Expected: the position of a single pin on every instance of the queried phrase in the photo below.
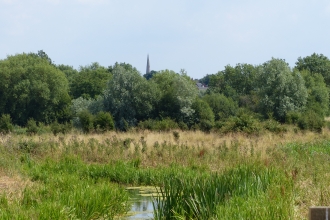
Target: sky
(200, 36)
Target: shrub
(274, 126)
(292, 117)
(311, 121)
(6, 125)
(242, 123)
(183, 126)
(57, 128)
(166, 124)
(104, 122)
(31, 127)
(86, 121)
(203, 115)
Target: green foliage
(32, 127)
(203, 115)
(310, 120)
(274, 126)
(149, 75)
(103, 121)
(280, 90)
(31, 87)
(69, 72)
(243, 122)
(89, 82)
(129, 97)
(86, 121)
(292, 117)
(315, 63)
(203, 197)
(318, 93)
(57, 128)
(234, 81)
(205, 80)
(177, 95)
(222, 106)
(6, 125)
(166, 124)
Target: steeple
(148, 65)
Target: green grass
(232, 194)
(86, 179)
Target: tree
(315, 63)
(178, 92)
(90, 81)
(69, 72)
(203, 115)
(150, 74)
(103, 121)
(129, 97)
(31, 87)
(279, 89)
(43, 55)
(318, 93)
(221, 106)
(236, 82)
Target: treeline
(36, 93)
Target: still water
(142, 198)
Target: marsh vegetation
(198, 175)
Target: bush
(31, 127)
(57, 128)
(292, 117)
(311, 121)
(183, 126)
(166, 124)
(242, 123)
(6, 125)
(104, 122)
(86, 121)
(206, 125)
(274, 126)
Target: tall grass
(201, 176)
(207, 198)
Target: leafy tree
(234, 81)
(31, 87)
(315, 63)
(103, 121)
(280, 90)
(178, 92)
(126, 66)
(6, 125)
(129, 97)
(43, 55)
(318, 93)
(69, 72)
(149, 75)
(221, 106)
(86, 120)
(205, 80)
(90, 82)
(203, 115)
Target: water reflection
(142, 198)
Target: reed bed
(200, 175)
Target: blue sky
(199, 36)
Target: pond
(142, 198)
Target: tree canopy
(129, 96)
(90, 81)
(280, 90)
(31, 87)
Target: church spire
(148, 65)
